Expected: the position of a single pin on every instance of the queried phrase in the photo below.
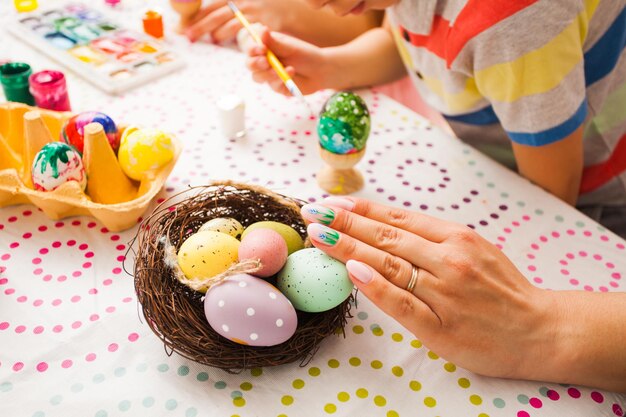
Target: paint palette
(105, 54)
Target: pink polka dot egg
(250, 311)
(267, 246)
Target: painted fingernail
(340, 202)
(322, 234)
(317, 214)
(359, 271)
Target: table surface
(72, 341)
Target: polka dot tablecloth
(72, 340)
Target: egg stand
(339, 175)
(187, 9)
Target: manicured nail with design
(359, 271)
(317, 214)
(322, 234)
(340, 202)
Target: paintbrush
(271, 58)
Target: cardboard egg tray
(68, 199)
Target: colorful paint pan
(164, 57)
(144, 66)
(86, 41)
(89, 15)
(125, 38)
(30, 21)
(121, 74)
(43, 30)
(59, 40)
(107, 27)
(129, 57)
(108, 46)
(88, 55)
(146, 48)
(52, 15)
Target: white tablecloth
(72, 340)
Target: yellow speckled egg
(144, 150)
(292, 238)
(226, 225)
(206, 254)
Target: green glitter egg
(344, 123)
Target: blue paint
(60, 40)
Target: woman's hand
(470, 304)
(307, 64)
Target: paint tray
(69, 199)
(89, 43)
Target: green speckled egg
(313, 281)
(344, 123)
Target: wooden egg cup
(339, 176)
(187, 9)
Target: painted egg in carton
(111, 197)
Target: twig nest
(255, 330)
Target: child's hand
(307, 64)
(218, 20)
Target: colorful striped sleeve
(538, 95)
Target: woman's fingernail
(359, 271)
(322, 234)
(340, 202)
(317, 214)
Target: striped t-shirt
(527, 71)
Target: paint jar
(50, 90)
(14, 80)
(25, 5)
(153, 24)
(231, 115)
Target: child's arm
(556, 167)
(295, 17)
(370, 59)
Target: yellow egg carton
(111, 197)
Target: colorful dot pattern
(69, 312)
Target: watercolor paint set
(94, 47)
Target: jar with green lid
(14, 79)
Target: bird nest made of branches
(175, 312)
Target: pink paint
(50, 90)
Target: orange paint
(153, 24)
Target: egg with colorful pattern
(344, 123)
(73, 134)
(56, 164)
